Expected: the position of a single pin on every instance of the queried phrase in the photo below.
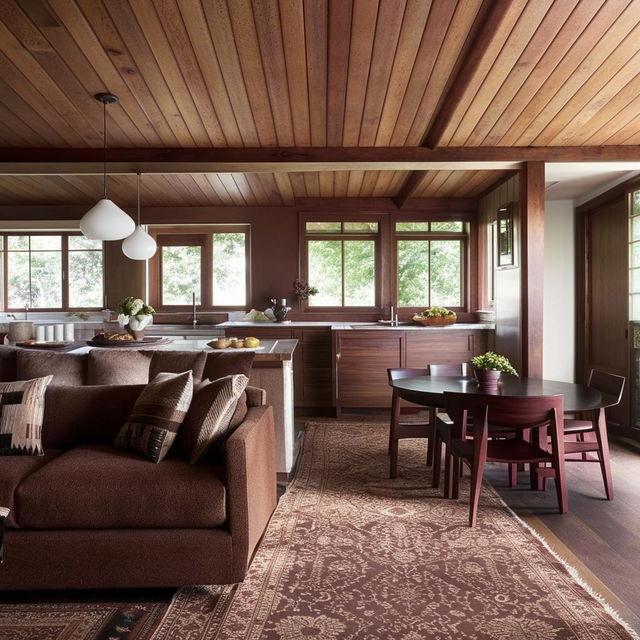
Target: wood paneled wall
(508, 290)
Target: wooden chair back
(608, 384)
(506, 412)
(398, 374)
(461, 369)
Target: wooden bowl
(426, 321)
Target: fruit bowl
(434, 321)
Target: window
(212, 266)
(430, 258)
(52, 271)
(634, 257)
(341, 263)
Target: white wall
(559, 291)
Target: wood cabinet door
(443, 347)
(362, 359)
(312, 364)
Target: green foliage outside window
(181, 275)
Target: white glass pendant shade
(139, 245)
(106, 221)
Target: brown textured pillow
(8, 363)
(67, 368)
(177, 362)
(158, 413)
(113, 366)
(210, 416)
(228, 363)
(21, 413)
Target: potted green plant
(489, 366)
(134, 315)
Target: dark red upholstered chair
(611, 387)
(493, 415)
(400, 430)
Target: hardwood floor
(597, 536)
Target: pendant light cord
(138, 198)
(104, 148)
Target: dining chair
(399, 430)
(495, 414)
(610, 386)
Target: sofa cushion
(118, 366)
(67, 368)
(8, 363)
(13, 471)
(80, 415)
(95, 486)
(177, 362)
(21, 414)
(219, 365)
(158, 413)
(209, 418)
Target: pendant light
(139, 245)
(105, 220)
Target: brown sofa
(86, 515)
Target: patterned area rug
(350, 554)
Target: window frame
(462, 236)
(195, 235)
(377, 237)
(64, 266)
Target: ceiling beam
(292, 159)
(410, 187)
(486, 28)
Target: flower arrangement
(303, 290)
(134, 313)
(491, 361)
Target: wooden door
(605, 310)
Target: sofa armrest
(256, 397)
(251, 483)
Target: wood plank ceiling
(310, 73)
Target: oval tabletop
(429, 390)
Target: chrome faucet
(393, 318)
(195, 313)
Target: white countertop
(348, 326)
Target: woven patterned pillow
(21, 412)
(157, 415)
(210, 415)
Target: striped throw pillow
(158, 413)
(21, 413)
(209, 418)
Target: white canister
(48, 333)
(40, 333)
(68, 332)
(58, 332)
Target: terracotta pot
(487, 379)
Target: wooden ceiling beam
(410, 187)
(27, 161)
(485, 30)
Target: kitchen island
(341, 365)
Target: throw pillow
(158, 413)
(21, 412)
(208, 422)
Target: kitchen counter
(347, 326)
(269, 351)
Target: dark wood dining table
(429, 390)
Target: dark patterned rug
(352, 555)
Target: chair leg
(456, 464)
(395, 418)
(557, 453)
(477, 469)
(431, 437)
(449, 471)
(437, 459)
(580, 438)
(393, 459)
(513, 475)
(603, 453)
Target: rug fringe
(575, 574)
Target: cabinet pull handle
(337, 356)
